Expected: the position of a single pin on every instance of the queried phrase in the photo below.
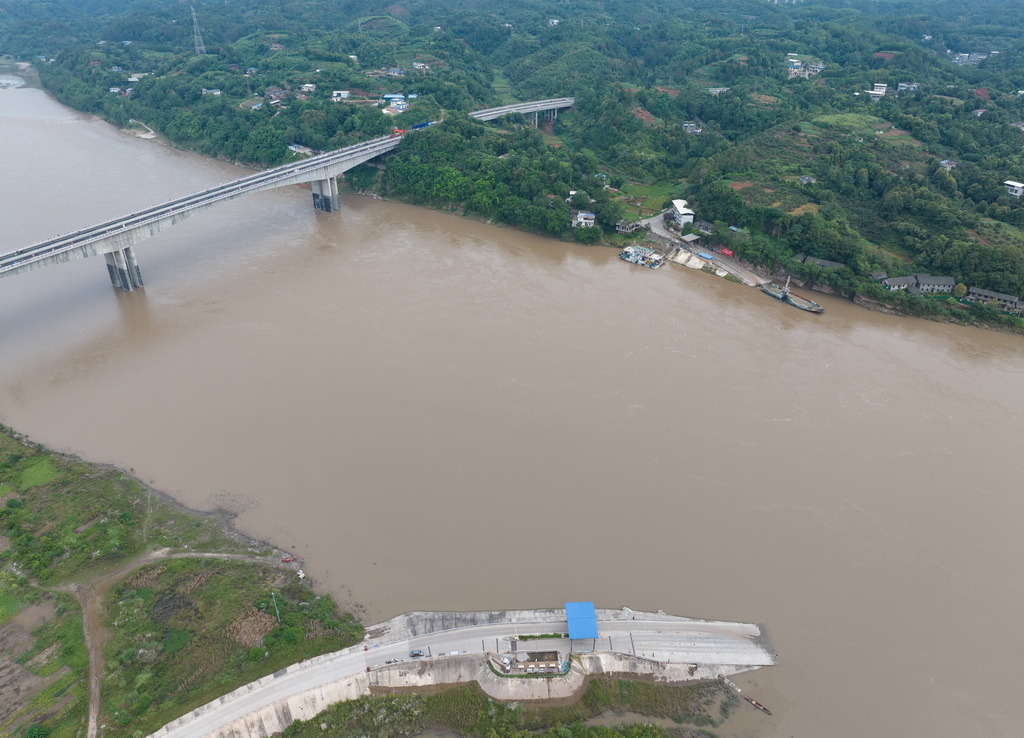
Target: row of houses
(880, 89)
(930, 284)
(796, 67)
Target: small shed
(582, 620)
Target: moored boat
(783, 293)
(642, 255)
(758, 705)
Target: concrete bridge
(534, 111)
(116, 238)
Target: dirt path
(90, 595)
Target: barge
(643, 256)
(783, 293)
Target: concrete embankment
(458, 648)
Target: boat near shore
(642, 255)
(758, 705)
(783, 293)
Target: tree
(960, 290)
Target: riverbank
(102, 537)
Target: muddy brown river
(436, 413)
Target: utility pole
(200, 47)
(275, 608)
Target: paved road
(739, 271)
(676, 641)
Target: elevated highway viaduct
(116, 238)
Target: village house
(1004, 301)
(900, 283)
(978, 112)
(878, 91)
(276, 47)
(690, 240)
(394, 72)
(824, 263)
(717, 90)
(420, 65)
(552, 22)
(918, 284)
(274, 94)
(582, 219)
(339, 95)
(681, 213)
(798, 68)
(1014, 188)
(930, 284)
(908, 87)
(691, 127)
(213, 91)
(308, 87)
(947, 164)
(628, 226)
(703, 226)
(807, 179)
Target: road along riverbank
(428, 649)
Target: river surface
(436, 413)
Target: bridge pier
(124, 269)
(325, 194)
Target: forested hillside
(768, 117)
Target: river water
(436, 413)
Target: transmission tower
(200, 47)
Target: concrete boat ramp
(487, 647)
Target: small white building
(339, 95)
(308, 87)
(681, 212)
(1014, 188)
(583, 219)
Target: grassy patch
(468, 711)
(503, 88)
(188, 630)
(854, 122)
(74, 518)
(651, 197)
(807, 207)
(50, 686)
(37, 472)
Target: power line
(200, 46)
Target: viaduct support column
(325, 194)
(124, 269)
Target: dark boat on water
(758, 705)
(783, 293)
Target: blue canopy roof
(582, 619)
